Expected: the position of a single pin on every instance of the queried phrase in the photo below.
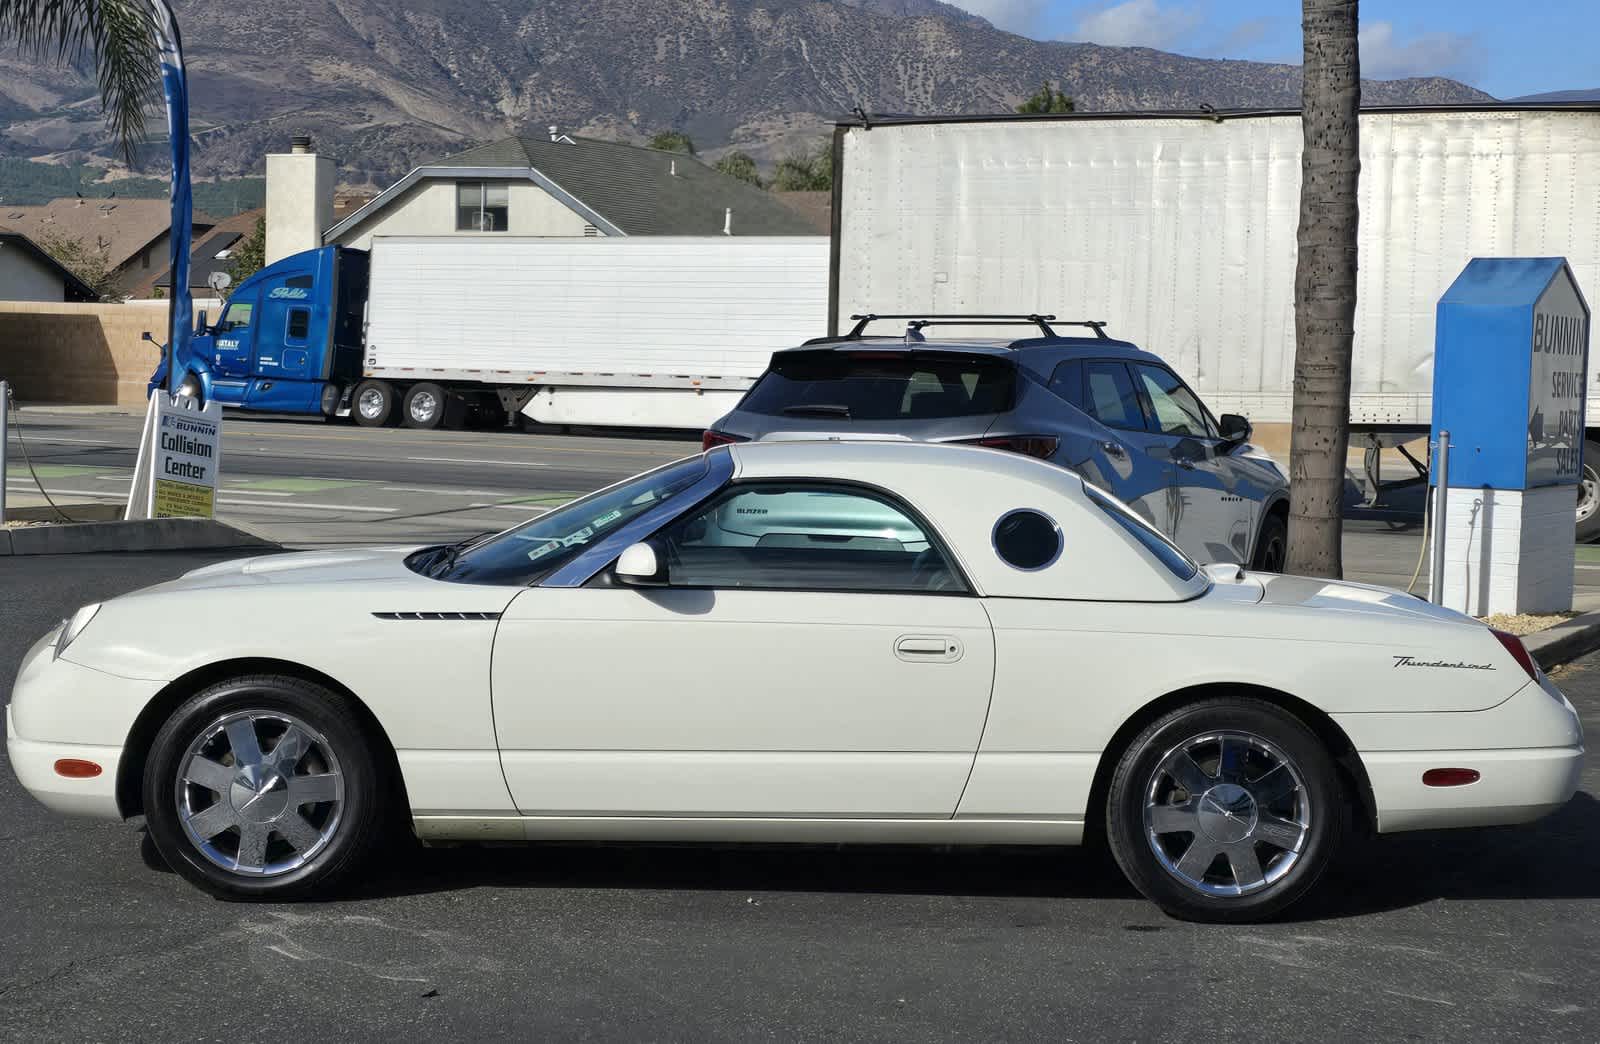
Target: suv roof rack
(915, 323)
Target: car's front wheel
(1272, 546)
(264, 787)
(1226, 810)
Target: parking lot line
(299, 505)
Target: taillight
(1518, 651)
(713, 438)
(1041, 446)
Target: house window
(482, 206)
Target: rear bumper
(34, 763)
(1528, 750)
(1516, 786)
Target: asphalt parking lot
(1474, 936)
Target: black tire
(1272, 545)
(332, 746)
(1588, 528)
(427, 406)
(1315, 813)
(372, 405)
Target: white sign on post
(180, 459)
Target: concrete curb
(157, 534)
(1565, 642)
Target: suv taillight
(1518, 651)
(1041, 446)
(714, 438)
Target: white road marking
(465, 460)
(453, 492)
(35, 436)
(524, 509)
(297, 505)
(254, 493)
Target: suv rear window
(879, 386)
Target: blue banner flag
(175, 85)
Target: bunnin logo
(1458, 665)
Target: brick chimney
(299, 199)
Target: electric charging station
(1511, 356)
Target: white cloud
(1385, 56)
(1016, 16)
(1139, 23)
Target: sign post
(1510, 358)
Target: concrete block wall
(82, 354)
(1509, 551)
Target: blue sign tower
(1509, 384)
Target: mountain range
(384, 86)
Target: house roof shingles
(120, 227)
(224, 235)
(634, 187)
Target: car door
(233, 343)
(1135, 465)
(1213, 517)
(812, 653)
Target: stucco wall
(87, 354)
(428, 208)
(24, 277)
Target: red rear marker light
(1518, 651)
(1041, 446)
(713, 438)
(77, 768)
(1449, 777)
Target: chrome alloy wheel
(259, 793)
(1588, 491)
(1227, 813)
(371, 404)
(422, 406)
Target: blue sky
(1505, 49)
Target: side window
(237, 317)
(805, 537)
(1108, 393)
(299, 324)
(1067, 382)
(1177, 410)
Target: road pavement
(1478, 935)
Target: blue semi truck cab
(289, 339)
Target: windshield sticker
(607, 518)
(579, 537)
(544, 549)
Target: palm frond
(122, 36)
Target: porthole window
(1027, 539)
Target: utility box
(1511, 351)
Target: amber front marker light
(1449, 777)
(77, 768)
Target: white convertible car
(791, 642)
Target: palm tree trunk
(1324, 286)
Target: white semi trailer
(635, 331)
(1179, 230)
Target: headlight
(73, 626)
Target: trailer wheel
(425, 406)
(372, 404)
(1589, 494)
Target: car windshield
(534, 549)
(1164, 550)
(879, 385)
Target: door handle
(1185, 463)
(927, 648)
(1114, 450)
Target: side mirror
(146, 337)
(1234, 428)
(641, 566)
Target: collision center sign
(1556, 385)
(180, 459)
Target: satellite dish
(219, 281)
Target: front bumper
(34, 763)
(60, 709)
(1528, 750)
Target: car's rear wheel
(1272, 546)
(1227, 810)
(264, 787)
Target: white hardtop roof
(963, 491)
